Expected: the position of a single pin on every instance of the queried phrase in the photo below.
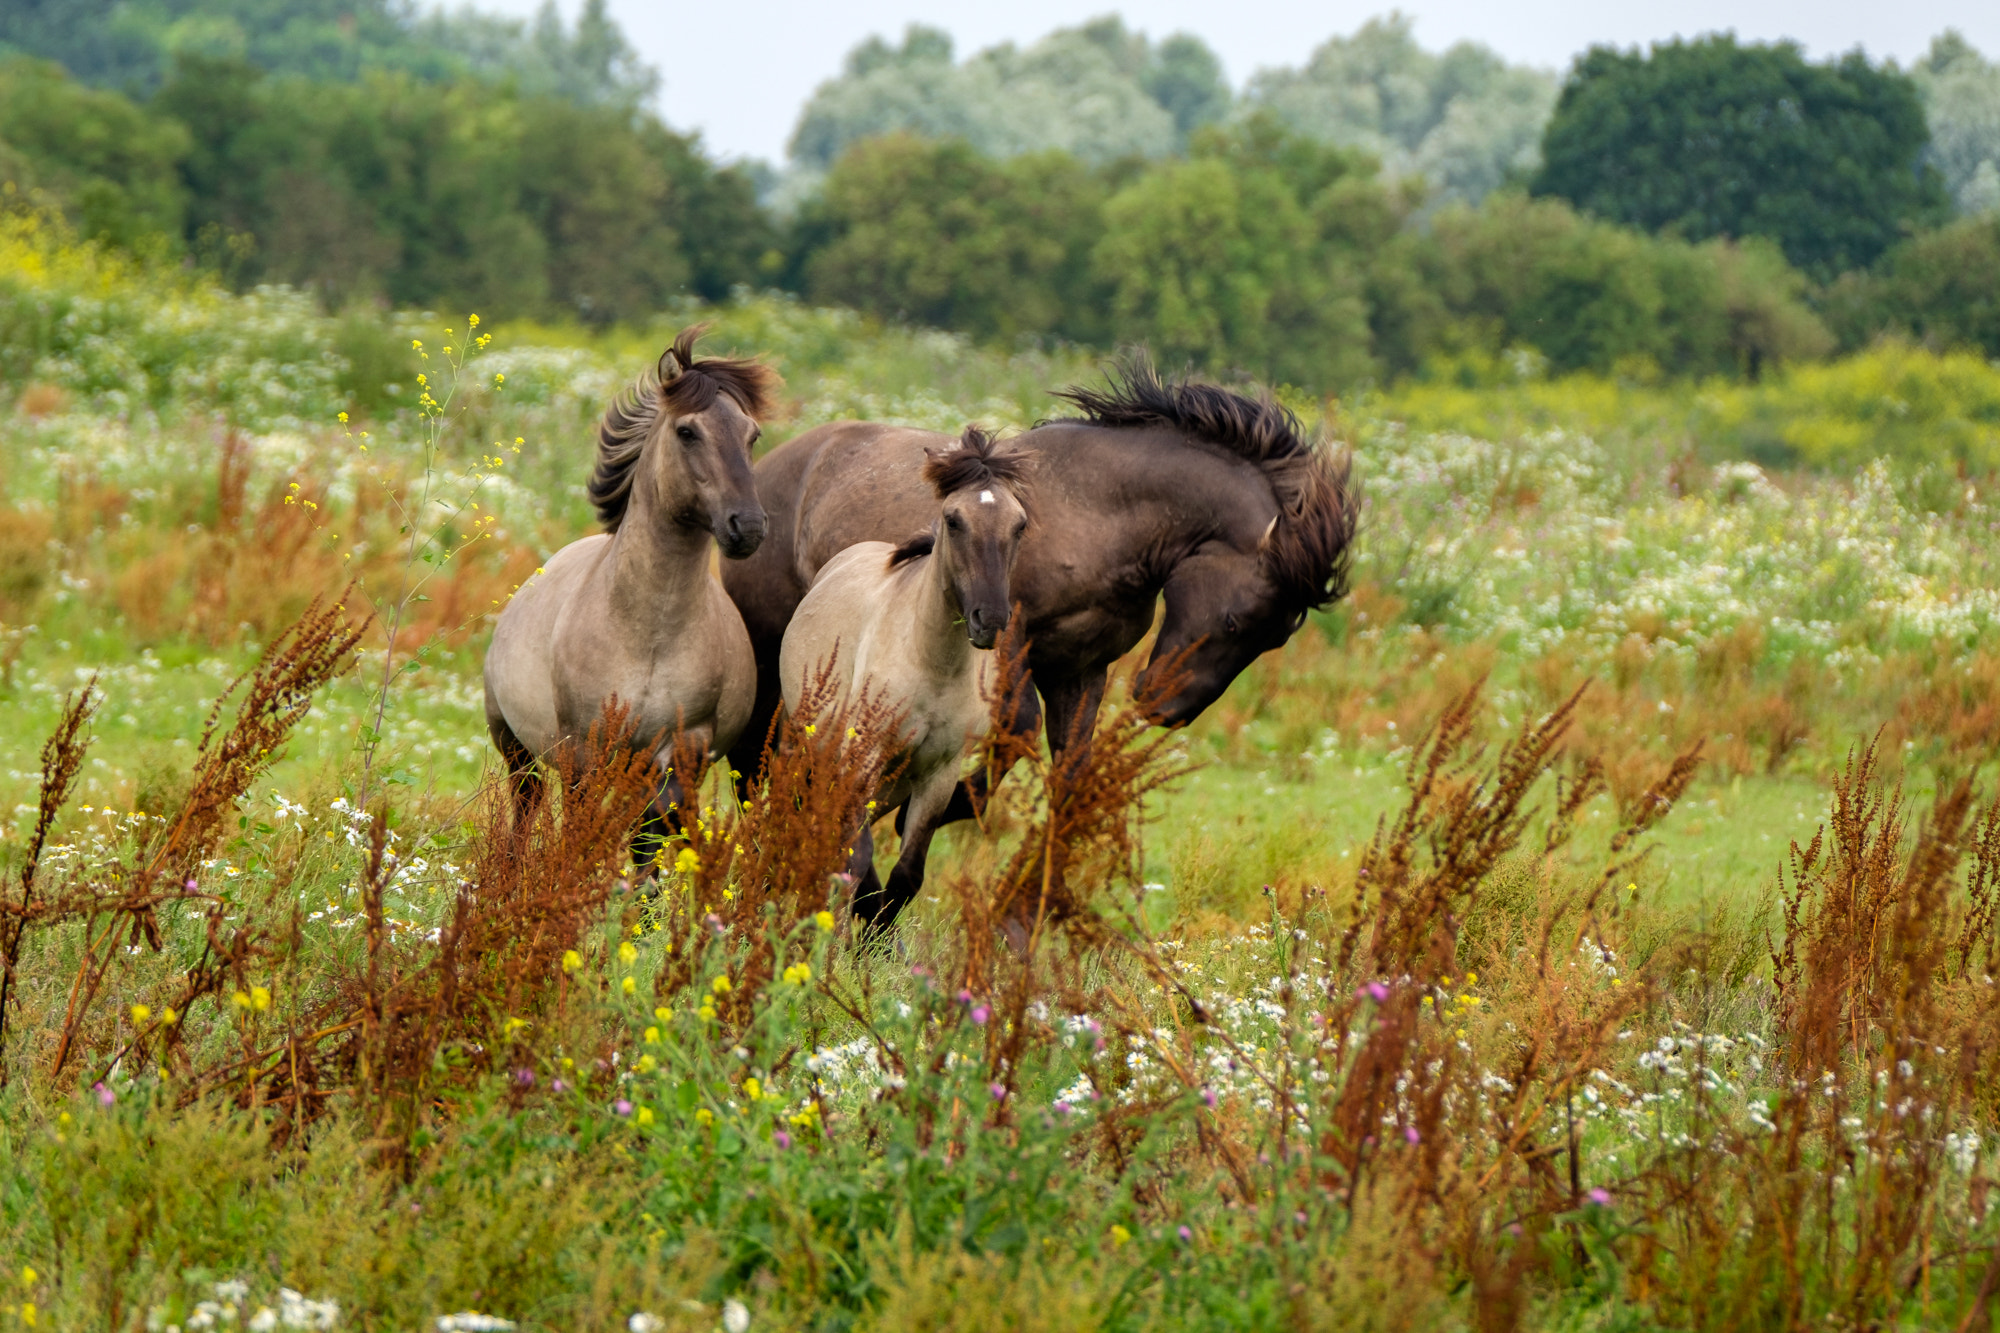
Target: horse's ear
(679, 356)
(1270, 531)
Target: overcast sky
(739, 71)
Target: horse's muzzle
(984, 627)
(741, 533)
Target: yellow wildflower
(1119, 1235)
(629, 986)
(753, 1089)
(686, 863)
(572, 960)
(140, 1013)
(627, 954)
(644, 1116)
(824, 920)
(720, 985)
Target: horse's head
(686, 438)
(979, 530)
(1228, 604)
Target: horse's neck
(937, 639)
(1169, 497)
(659, 568)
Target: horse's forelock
(688, 384)
(979, 459)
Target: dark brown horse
(1210, 497)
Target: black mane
(1307, 551)
(1136, 394)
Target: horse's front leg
(1069, 709)
(921, 818)
(969, 797)
(681, 766)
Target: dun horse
(913, 626)
(1162, 486)
(635, 611)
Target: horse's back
(864, 483)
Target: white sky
(739, 70)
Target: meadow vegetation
(1587, 923)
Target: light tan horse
(913, 626)
(636, 610)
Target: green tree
(1251, 255)
(1962, 103)
(1464, 121)
(1709, 138)
(1533, 274)
(421, 191)
(1099, 92)
(110, 166)
(1940, 288)
(937, 233)
(132, 45)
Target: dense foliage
(131, 45)
(1283, 257)
(391, 187)
(1098, 92)
(1352, 221)
(1961, 91)
(1466, 122)
(1709, 138)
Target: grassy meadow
(1409, 988)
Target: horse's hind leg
(523, 774)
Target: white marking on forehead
(986, 497)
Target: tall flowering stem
(435, 526)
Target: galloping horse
(635, 611)
(1161, 486)
(913, 627)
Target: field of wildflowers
(1588, 923)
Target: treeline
(391, 187)
(1251, 243)
(132, 45)
(1280, 256)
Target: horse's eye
(687, 434)
(1229, 623)
(953, 522)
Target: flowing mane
(1307, 551)
(679, 383)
